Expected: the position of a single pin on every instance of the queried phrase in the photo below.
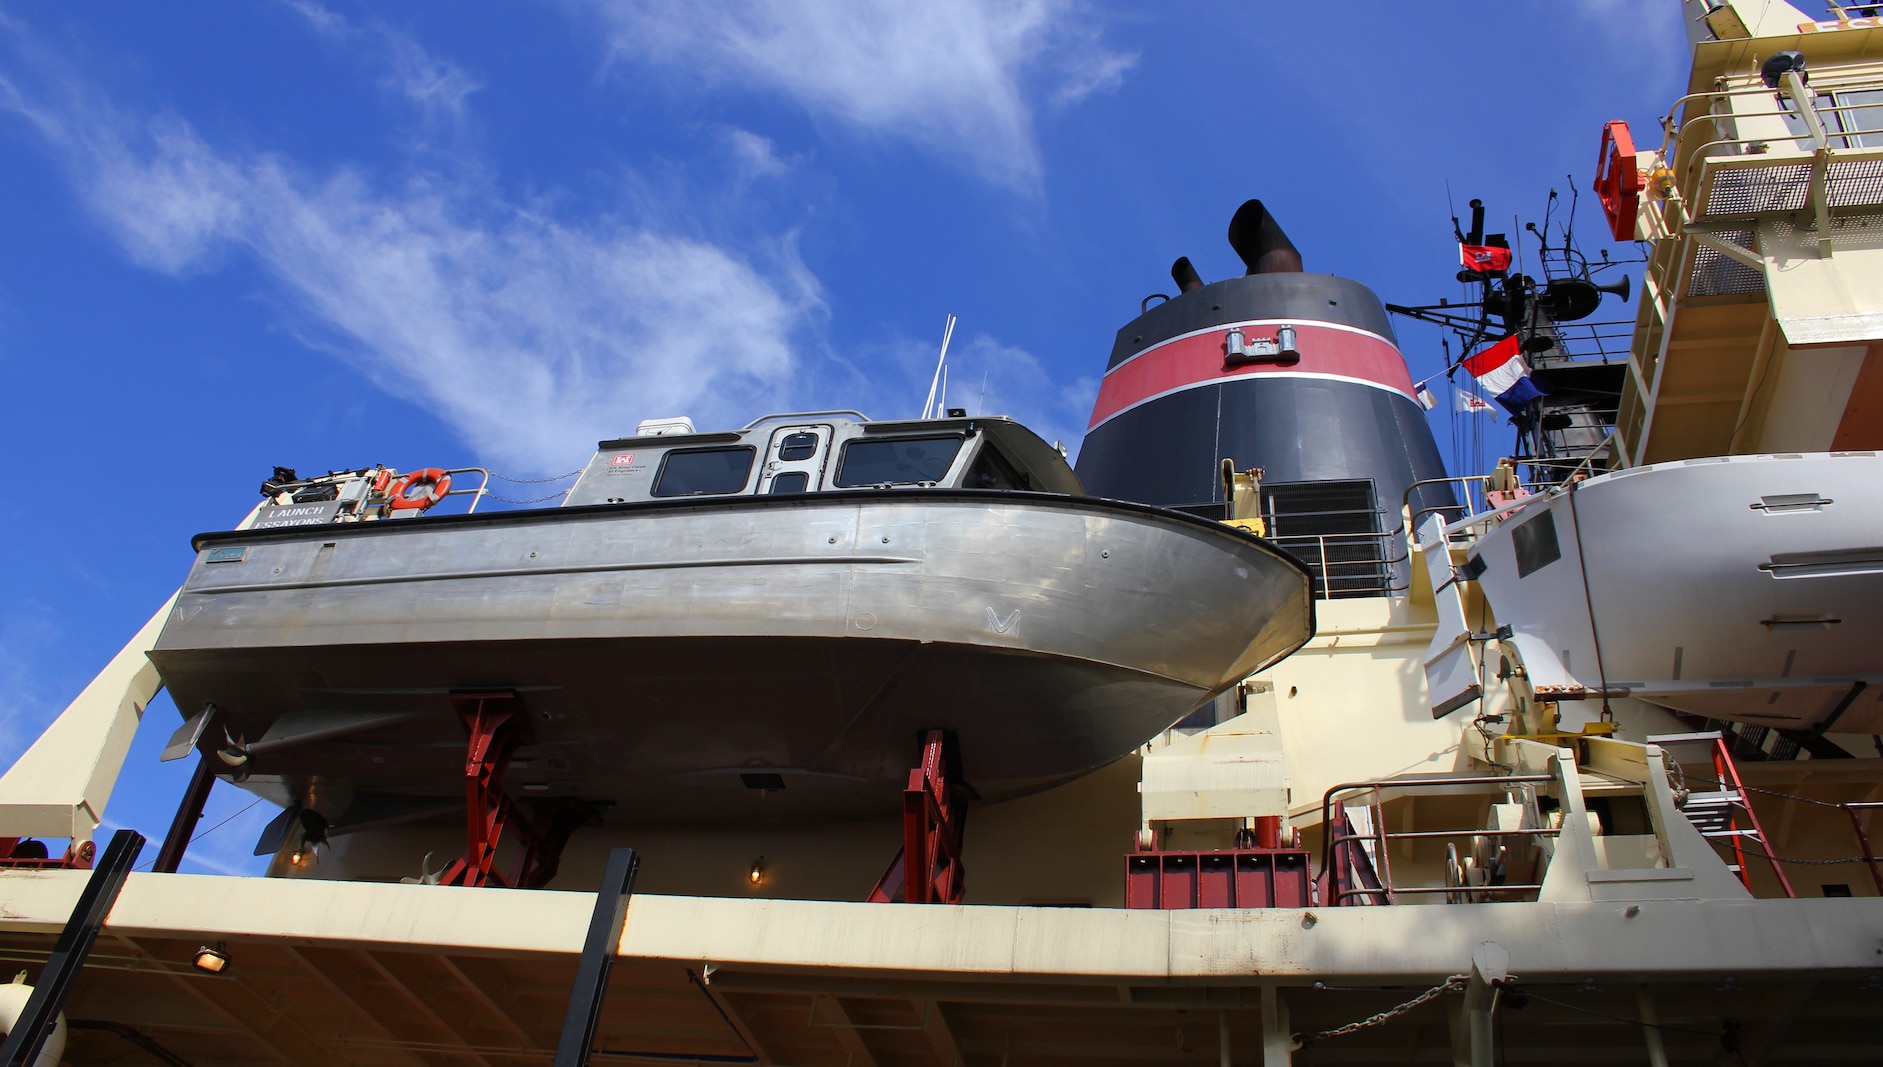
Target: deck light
(757, 874)
(212, 960)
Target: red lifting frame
(934, 817)
(496, 725)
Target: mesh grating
(1717, 274)
(1744, 192)
(1856, 183)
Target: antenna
(948, 332)
(941, 405)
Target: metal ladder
(1726, 814)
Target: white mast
(948, 331)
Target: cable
(209, 831)
(1514, 988)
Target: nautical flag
(1502, 373)
(1426, 399)
(1468, 403)
(1485, 259)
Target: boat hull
(666, 652)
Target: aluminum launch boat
(717, 624)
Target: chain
(533, 481)
(532, 500)
(1802, 863)
(1781, 796)
(1454, 983)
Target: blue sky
(437, 234)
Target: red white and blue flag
(1503, 375)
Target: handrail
(477, 493)
(1327, 803)
(1384, 582)
(790, 416)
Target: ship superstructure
(1512, 801)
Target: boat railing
(1343, 851)
(477, 494)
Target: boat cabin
(808, 452)
(821, 452)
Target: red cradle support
(1223, 878)
(30, 853)
(927, 868)
(496, 726)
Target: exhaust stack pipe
(1264, 248)
(1185, 275)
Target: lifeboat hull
(1746, 588)
(726, 659)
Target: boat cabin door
(794, 461)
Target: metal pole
(598, 957)
(68, 953)
(1869, 855)
(189, 813)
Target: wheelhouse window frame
(666, 467)
(842, 480)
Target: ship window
(790, 482)
(897, 461)
(992, 470)
(797, 446)
(1536, 545)
(703, 471)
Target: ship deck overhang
(329, 972)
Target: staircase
(1725, 814)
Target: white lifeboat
(1745, 588)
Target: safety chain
(534, 481)
(1781, 796)
(532, 500)
(1455, 983)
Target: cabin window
(897, 460)
(992, 470)
(704, 471)
(790, 482)
(1536, 545)
(797, 446)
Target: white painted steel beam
(1634, 939)
(59, 787)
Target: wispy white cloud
(28, 633)
(531, 335)
(436, 87)
(955, 78)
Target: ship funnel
(1264, 248)
(1185, 275)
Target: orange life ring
(433, 480)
